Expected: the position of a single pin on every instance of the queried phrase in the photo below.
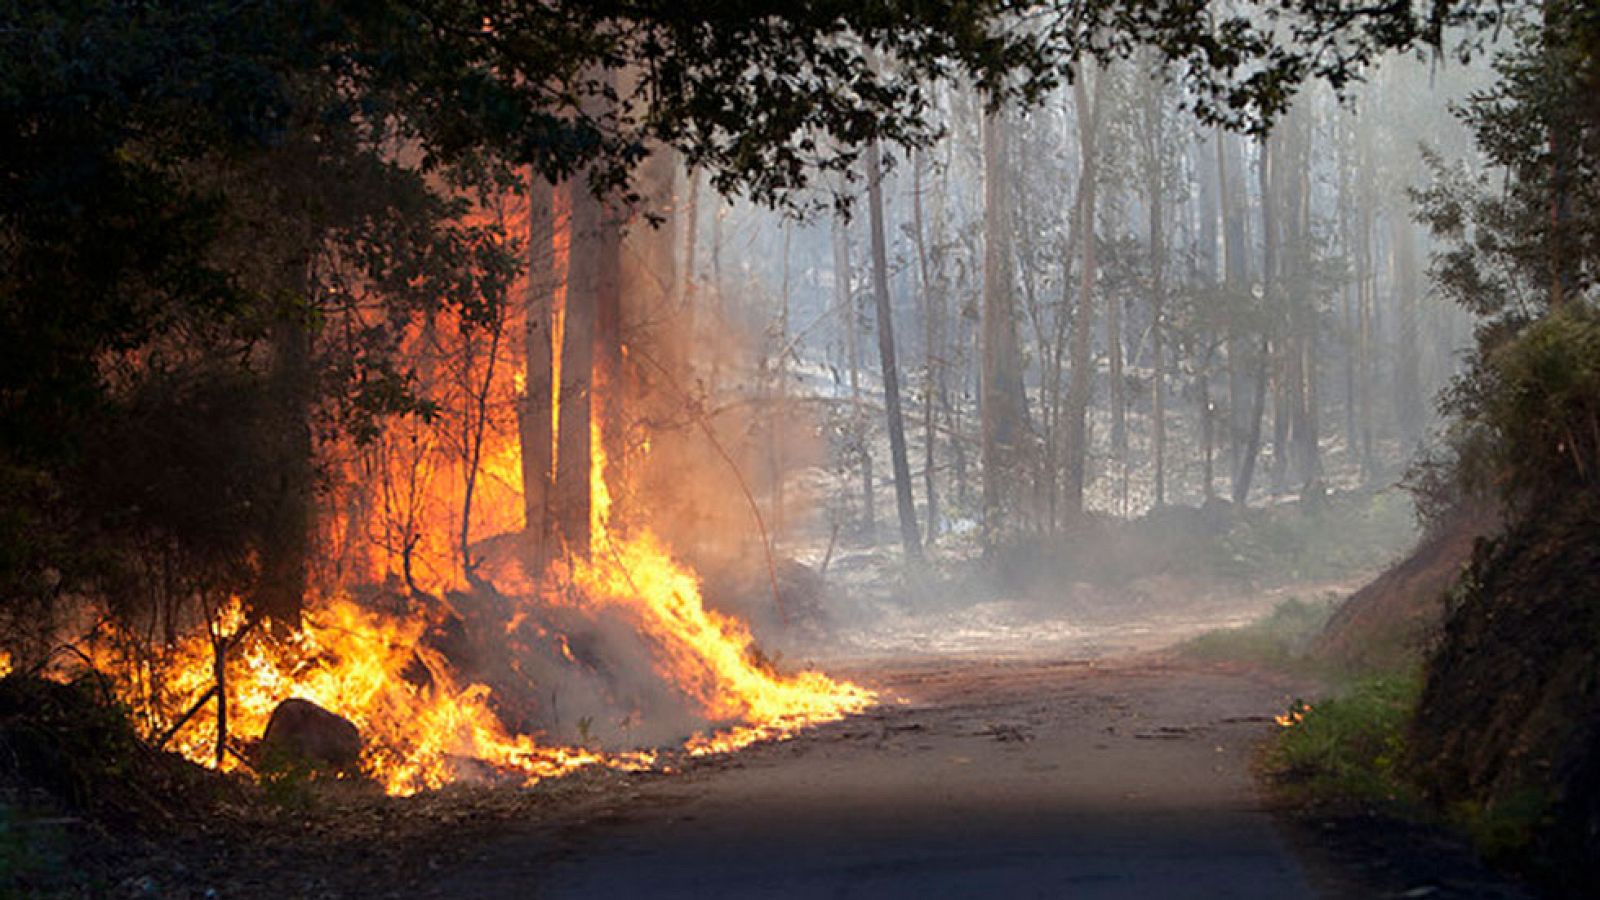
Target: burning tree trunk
(909, 536)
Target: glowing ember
(1294, 716)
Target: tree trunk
(1236, 279)
(1000, 400)
(932, 313)
(1081, 386)
(607, 390)
(1269, 263)
(1410, 409)
(778, 411)
(910, 538)
(286, 550)
(571, 501)
(1158, 263)
(845, 297)
(533, 419)
(1119, 398)
(1366, 193)
(1307, 425)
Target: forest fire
(422, 727)
(416, 499)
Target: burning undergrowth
(598, 663)
(491, 598)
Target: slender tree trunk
(1080, 388)
(1209, 198)
(533, 420)
(932, 312)
(845, 297)
(571, 501)
(607, 379)
(1365, 313)
(1412, 413)
(475, 429)
(1269, 263)
(1208, 439)
(1158, 263)
(910, 538)
(1119, 398)
(779, 409)
(689, 285)
(286, 552)
(1236, 278)
(1308, 427)
(1349, 291)
(1252, 446)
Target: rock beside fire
(303, 736)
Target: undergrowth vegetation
(1282, 639)
(1351, 746)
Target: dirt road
(1126, 778)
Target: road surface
(1122, 778)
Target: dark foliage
(1507, 734)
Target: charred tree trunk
(286, 549)
(910, 538)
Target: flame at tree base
(422, 728)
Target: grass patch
(1281, 639)
(1352, 746)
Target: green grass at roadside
(1349, 743)
(1280, 640)
(1351, 746)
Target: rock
(303, 734)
